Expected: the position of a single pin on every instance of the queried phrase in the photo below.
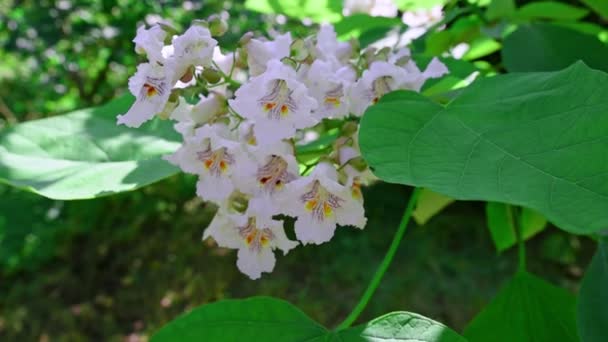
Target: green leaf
(538, 140)
(409, 5)
(430, 204)
(599, 6)
(500, 9)
(270, 319)
(551, 10)
(593, 297)
(545, 47)
(401, 326)
(252, 319)
(84, 154)
(317, 10)
(526, 309)
(502, 229)
(355, 25)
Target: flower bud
(290, 62)
(298, 50)
(188, 75)
(211, 75)
(349, 128)
(245, 39)
(170, 106)
(238, 201)
(200, 22)
(217, 25)
(358, 163)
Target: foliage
(84, 154)
(467, 155)
(534, 138)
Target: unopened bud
(188, 75)
(170, 106)
(170, 30)
(200, 22)
(349, 128)
(245, 39)
(241, 58)
(211, 75)
(403, 60)
(217, 25)
(290, 62)
(298, 50)
(358, 163)
(238, 201)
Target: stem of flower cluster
(390, 253)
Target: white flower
(210, 154)
(150, 42)
(383, 77)
(423, 17)
(320, 202)
(265, 175)
(376, 8)
(254, 236)
(194, 47)
(329, 48)
(189, 117)
(329, 87)
(151, 86)
(260, 52)
(276, 102)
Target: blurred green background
(118, 268)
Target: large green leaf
(538, 140)
(429, 204)
(526, 309)
(401, 326)
(545, 47)
(551, 10)
(253, 319)
(593, 297)
(84, 154)
(599, 6)
(317, 10)
(502, 228)
(270, 319)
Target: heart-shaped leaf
(546, 47)
(401, 326)
(538, 140)
(270, 319)
(502, 227)
(84, 154)
(527, 309)
(252, 319)
(593, 297)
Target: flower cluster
(250, 134)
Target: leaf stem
(390, 253)
(521, 243)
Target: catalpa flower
(329, 87)
(260, 52)
(189, 117)
(150, 42)
(151, 86)
(211, 155)
(265, 174)
(193, 48)
(276, 102)
(384, 77)
(329, 48)
(254, 236)
(320, 203)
